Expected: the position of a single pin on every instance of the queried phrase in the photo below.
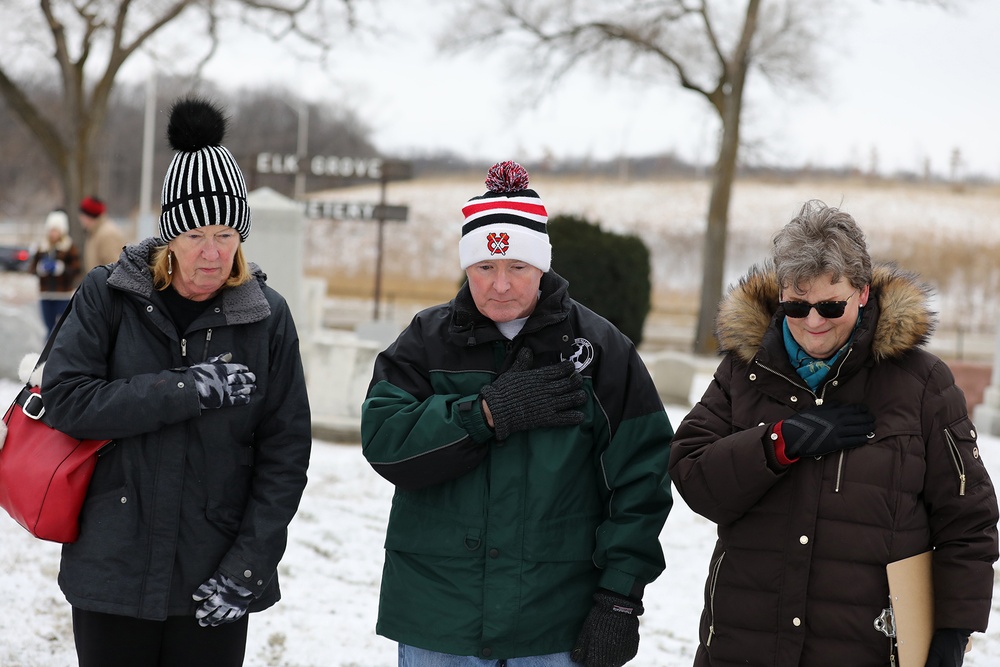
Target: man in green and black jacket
(529, 450)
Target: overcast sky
(911, 85)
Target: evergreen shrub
(607, 272)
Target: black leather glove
(521, 399)
(610, 633)
(826, 428)
(948, 647)
(221, 384)
(222, 601)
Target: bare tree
(86, 43)
(709, 47)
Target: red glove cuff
(779, 446)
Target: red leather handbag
(44, 473)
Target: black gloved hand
(948, 647)
(221, 384)
(610, 633)
(826, 428)
(222, 601)
(521, 399)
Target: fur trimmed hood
(904, 317)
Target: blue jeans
(52, 309)
(410, 656)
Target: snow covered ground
(330, 578)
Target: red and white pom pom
(507, 176)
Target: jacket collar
(241, 305)
(897, 318)
(469, 327)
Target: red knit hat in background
(93, 207)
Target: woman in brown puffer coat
(828, 445)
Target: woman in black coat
(202, 389)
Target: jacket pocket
(417, 529)
(224, 517)
(563, 540)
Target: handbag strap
(35, 408)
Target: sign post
(372, 168)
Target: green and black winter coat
(798, 574)
(182, 491)
(494, 549)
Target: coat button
(260, 582)
(796, 621)
(804, 539)
(124, 500)
(753, 376)
(149, 309)
(794, 399)
(247, 573)
(774, 436)
(972, 433)
(180, 385)
(486, 652)
(494, 553)
(975, 452)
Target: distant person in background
(529, 450)
(57, 265)
(828, 445)
(105, 240)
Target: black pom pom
(195, 124)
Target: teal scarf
(813, 371)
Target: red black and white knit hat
(507, 222)
(203, 185)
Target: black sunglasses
(829, 310)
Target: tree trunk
(716, 232)
(728, 102)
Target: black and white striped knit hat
(203, 185)
(509, 221)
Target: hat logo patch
(497, 243)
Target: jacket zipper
(711, 598)
(956, 458)
(840, 471)
(184, 345)
(819, 401)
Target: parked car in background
(14, 257)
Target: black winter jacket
(182, 491)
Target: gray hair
(821, 240)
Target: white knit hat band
(505, 241)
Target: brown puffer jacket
(798, 574)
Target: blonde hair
(162, 277)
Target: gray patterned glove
(521, 399)
(222, 601)
(610, 634)
(221, 384)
